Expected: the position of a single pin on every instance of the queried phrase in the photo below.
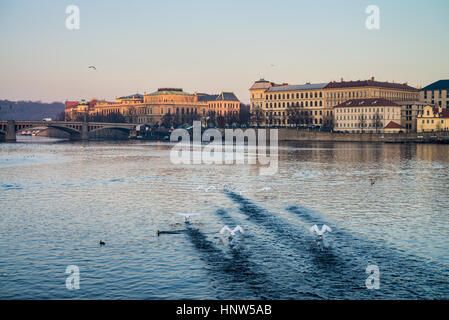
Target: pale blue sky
(212, 46)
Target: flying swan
(319, 232)
(231, 232)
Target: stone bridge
(77, 130)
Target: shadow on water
(339, 270)
(397, 266)
(298, 238)
(233, 269)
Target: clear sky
(212, 46)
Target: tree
(60, 116)
(295, 116)
(362, 122)
(230, 118)
(114, 117)
(168, 120)
(258, 116)
(270, 118)
(211, 119)
(244, 115)
(377, 121)
(328, 120)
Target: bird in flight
(206, 189)
(319, 232)
(187, 215)
(232, 233)
(93, 67)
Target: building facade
(409, 114)
(373, 115)
(436, 94)
(433, 119)
(280, 102)
(338, 92)
(167, 106)
(313, 104)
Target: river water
(58, 199)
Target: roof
(393, 125)
(307, 86)
(444, 113)
(71, 104)
(224, 96)
(371, 102)
(133, 96)
(227, 96)
(262, 84)
(369, 83)
(438, 85)
(207, 97)
(169, 91)
(440, 112)
(92, 103)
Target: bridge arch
(116, 132)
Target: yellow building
(168, 106)
(338, 92)
(315, 102)
(276, 101)
(373, 115)
(223, 104)
(433, 119)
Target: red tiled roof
(371, 102)
(444, 113)
(71, 104)
(393, 125)
(92, 103)
(369, 83)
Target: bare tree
(294, 116)
(328, 120)
(362, 122)
(377, 121)
(258, 116)
(168, 120)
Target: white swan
(206, 189)
(319, 232)
(187, 215)
(231, 232)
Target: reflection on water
(59, 199)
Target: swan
(187, 215)
(319, 232)
(231, 232)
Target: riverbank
(286, 134)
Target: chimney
(372, 78)
(341, 79)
